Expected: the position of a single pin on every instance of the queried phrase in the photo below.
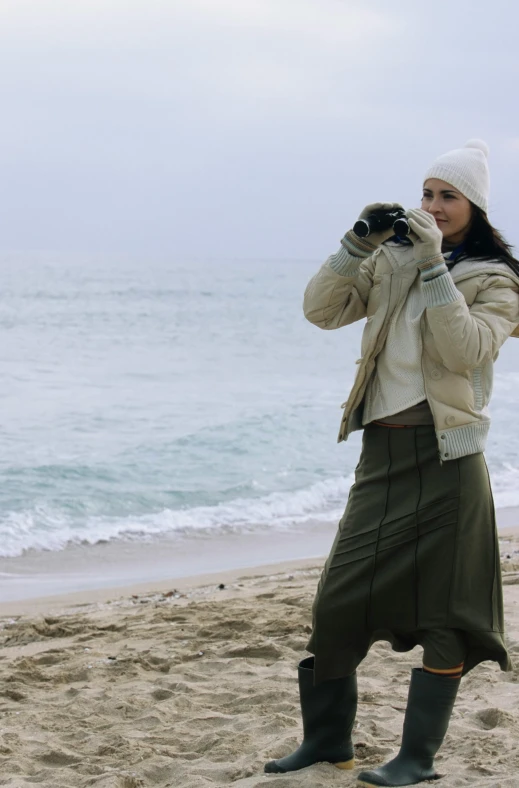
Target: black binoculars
(382, 220)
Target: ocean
(153, 398)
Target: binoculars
(382, 220)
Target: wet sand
(93, 569)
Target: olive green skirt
(416, 551)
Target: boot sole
(346, 765)
(364, 784)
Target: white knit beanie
(467, 170)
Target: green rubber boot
(328, 712)
(429, 708)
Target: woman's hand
(425, 235)
(378, 238)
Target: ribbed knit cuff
(461, 441)
(356, 246)
(344, 263)
(440, 291)
(432, 267)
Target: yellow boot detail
(347, 765)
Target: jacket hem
(453, 443)
(458, 442)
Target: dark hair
(485, 242)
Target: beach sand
(187, 685)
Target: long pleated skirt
(416, 553)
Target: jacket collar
(466, 269)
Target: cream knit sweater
(397, 383)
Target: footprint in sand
(488, 719)
(259, 651)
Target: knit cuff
(440, 291)
(358, 247)
(344, 263)
(432, 267)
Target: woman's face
(450, 208)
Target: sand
(195, 686)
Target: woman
(415, 560)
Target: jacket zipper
(422, 326)
(374, 353)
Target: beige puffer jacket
(468, 316)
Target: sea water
(162, 397)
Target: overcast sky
(242, 128)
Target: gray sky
(242, 128)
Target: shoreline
(106, 568)
(100, 571)
(175, 587)
(179, 584)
